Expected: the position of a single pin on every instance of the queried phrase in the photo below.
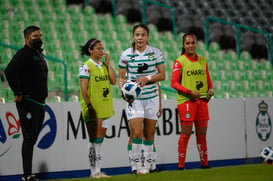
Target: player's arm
(153, 78)
(210, 85)
(122, 77)
(176, 77)
(160, 102)
(112, 74)
(84, 90)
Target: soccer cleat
(142, 171)
(205, 167)
(181, 168)
(99, 175)
(154, 170)
(134, 172)
(30, 178)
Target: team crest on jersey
(263, 122)
(188, 115)
(150, 56)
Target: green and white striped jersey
(140, 65)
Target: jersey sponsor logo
(102, 78)
(196, 72)
(263, 122)
(199, 85)
(105, 91)
(142, 67)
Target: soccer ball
(267, 155)
(130, 90)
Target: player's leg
(201, 125)
(149, 131)
(136, 125)
(129, 148)
(150, 120)
(186, 129)
(154, 159)
(95, 152)
(135, 114)
(92, 129)
(187, 113)
(201, 142)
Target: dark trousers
(31, 118)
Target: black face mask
(37, 43)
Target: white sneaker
(99, 175)
(103, 175)
(142, 171)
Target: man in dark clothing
(26, 74)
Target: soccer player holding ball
(96, 77)
(191, 79)
(144, 64)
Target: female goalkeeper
(191, 79)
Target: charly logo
(263, 122)
(10, 131)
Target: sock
(154, 158)
(201, 142)
(129, 148)
(98, 143)
(95, 155)
(91, 157)
(148, 153)
(182, 149)
(137, 154)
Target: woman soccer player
(96, 78)
(191, 79)
(144, 64)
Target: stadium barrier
(238, 130)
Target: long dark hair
(183, 39)
(141, 25)
(89, 44)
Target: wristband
(149, 77)
(88, 105)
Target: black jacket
(27, 73)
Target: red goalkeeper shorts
(194, 111)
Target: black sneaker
(134, 172)
(205, 167)
(30, 178)
(181, 168)
(154, 170)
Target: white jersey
(84, 71)
(140, 65)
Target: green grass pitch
(251, 172)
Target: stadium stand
(66, 27)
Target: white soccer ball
(266, 155)
(130, 90)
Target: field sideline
(251, 172)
